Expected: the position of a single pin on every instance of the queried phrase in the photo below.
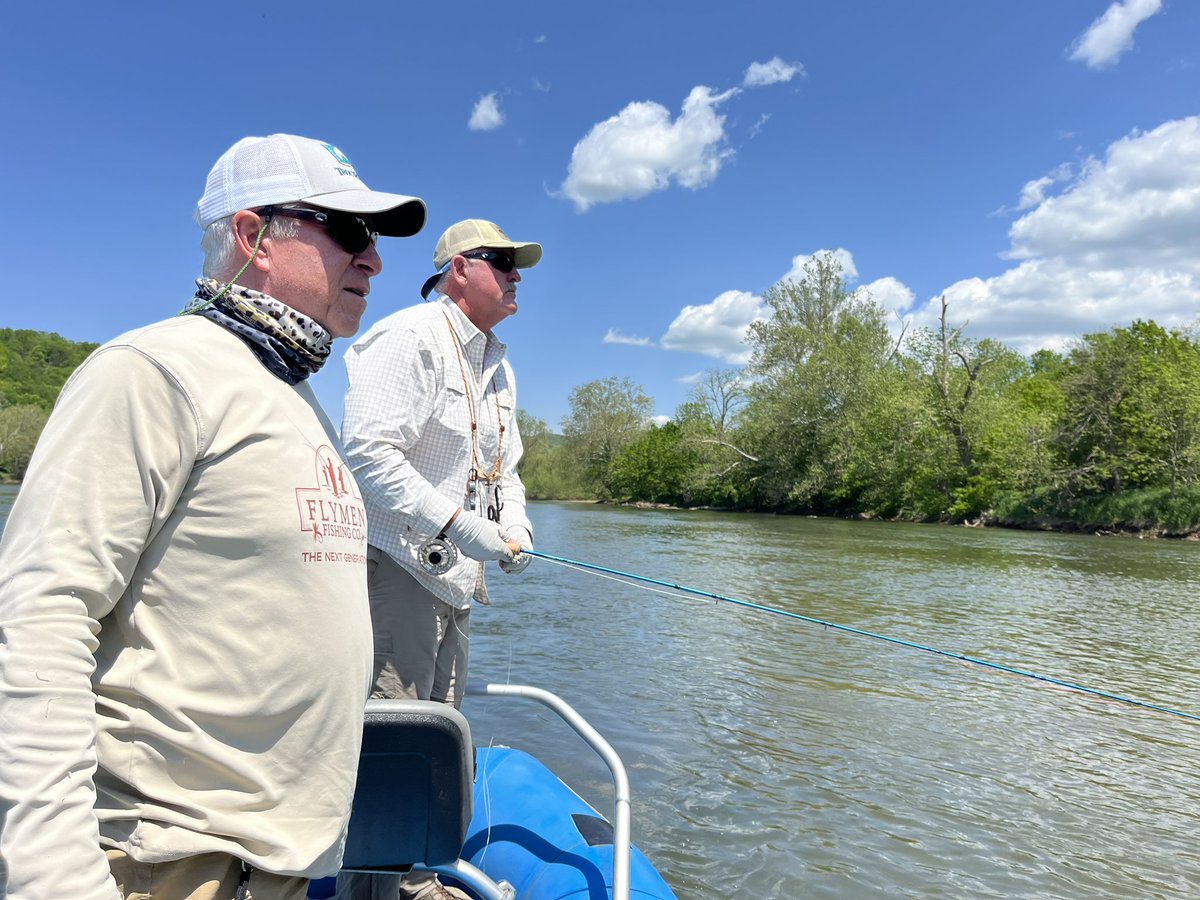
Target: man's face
(315, 275)
(490, 295)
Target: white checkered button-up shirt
(407, 434)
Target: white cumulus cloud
(1138, 204)
(1034, 192)
(717, 328)
(841, 256)
(641, 150)
(1098, 244)
(891, 294)
(1112, 34)
(1121, 241)
(773, 71)
(615, 337)
(486, 115)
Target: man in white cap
(431, 435)
(187, 642)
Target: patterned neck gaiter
(292, 346)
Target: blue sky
(1038, 162)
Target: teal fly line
(912, 645)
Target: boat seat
(413, 800)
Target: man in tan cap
(431, 435)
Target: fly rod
(912, 645)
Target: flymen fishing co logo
(343, 159)
(333, 512)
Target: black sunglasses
(501, 261)
(350, 232)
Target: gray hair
(217, 243)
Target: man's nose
(370, 260)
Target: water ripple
(773, 758)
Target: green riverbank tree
(816, 368)
(34, 365)
(547, 468)
(834, 415)
(605, 416)
(1131, 417)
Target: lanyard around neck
(477, 469)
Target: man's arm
(393, 391)
(118, 445)
(513, 515)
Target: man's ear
(246, 228)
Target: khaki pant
(209, 876)
(421, 642)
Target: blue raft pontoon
(495, 822)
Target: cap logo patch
(343, 159)
(339, 155)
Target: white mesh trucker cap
(284, 168)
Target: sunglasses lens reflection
(501, 262)
(350, 232)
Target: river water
(774, 758)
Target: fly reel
(438, 556)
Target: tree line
(34, 365)
(834, 415)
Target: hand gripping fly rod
(870, 634)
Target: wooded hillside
(33, 367)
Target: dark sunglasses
(348, 231)
(501, 261)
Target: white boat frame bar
(593, 738)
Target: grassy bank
(1152, 512)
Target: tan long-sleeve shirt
(186, 635)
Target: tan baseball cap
(476, 234)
